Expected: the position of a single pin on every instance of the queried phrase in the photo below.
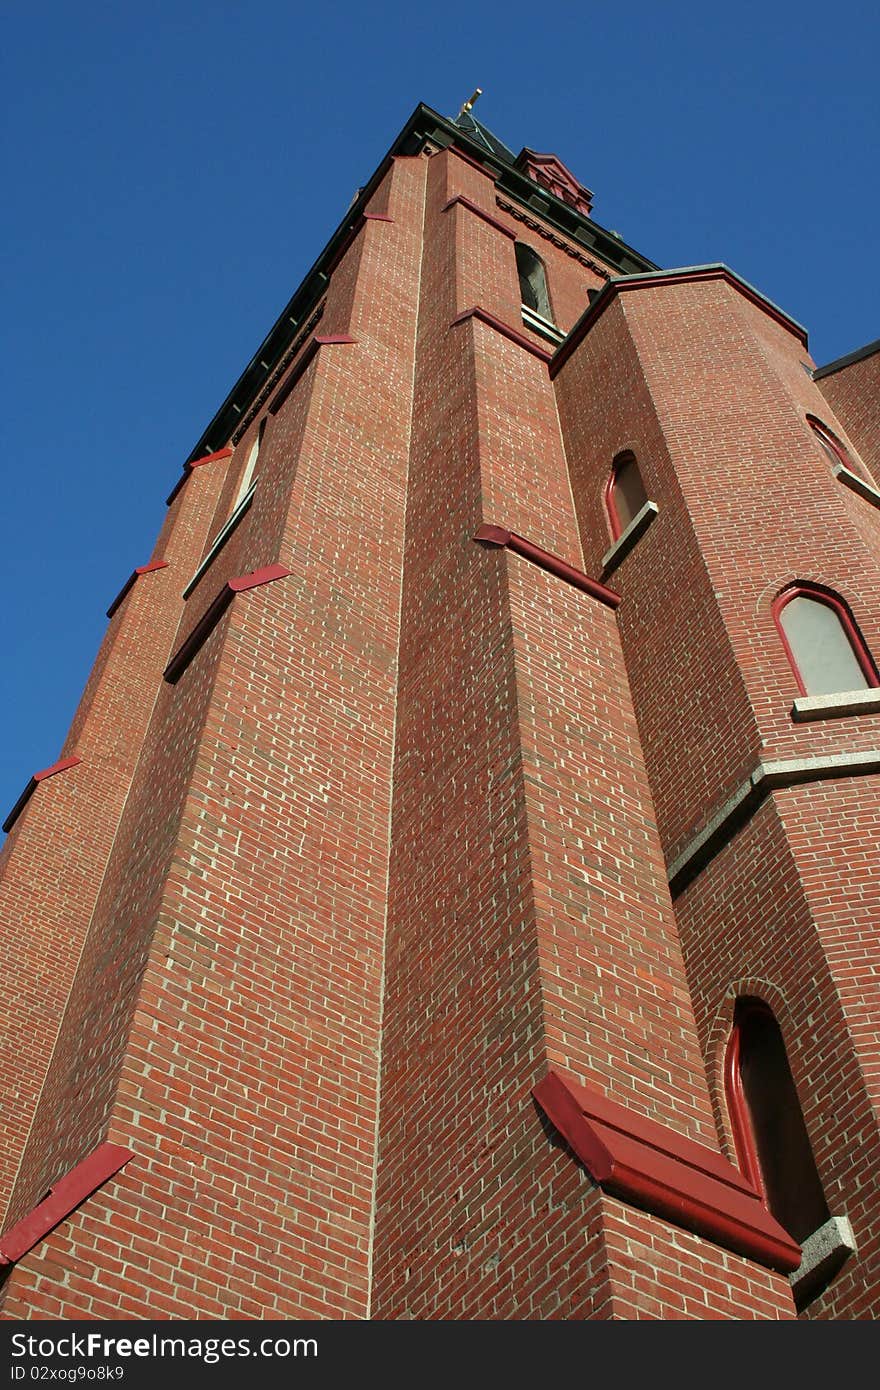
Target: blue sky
(173, 169)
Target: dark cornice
(858, 355)
(652, 280)
(425, 129)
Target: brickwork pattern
(306, 926)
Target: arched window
(247, 477)
(772, 1143)
(625, 493)
(533, 281)
(834, 449)
(240, 508)
(826, 650)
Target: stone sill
(538, 324)
(628, 538)
(835, 706)
(822, 1255)
(856, 484)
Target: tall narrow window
(240, 508)
(772, 1143)
(247, 477)
(826, 650)
(533, 281)
(834, 449)
(625, 493)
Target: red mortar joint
(480, 212)
(305, 359)
(32, 785)
(659, 1170)
(64, 1197)
(197, 463)
(132, 580)
(497, 535)
(211, 617)
(478, 312)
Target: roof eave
(424, 127)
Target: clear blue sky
(173, 169)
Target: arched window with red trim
(835, 450)
(822, 641)
(772, 1144)
(625, 493)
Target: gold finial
(466, 106)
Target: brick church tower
(457, 896)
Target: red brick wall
(853, 392)
(241, 927)
(787, 911)
(529, 921)
(713, 400)
(747, 504)
(55, 857)
(396, 839)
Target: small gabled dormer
(552, 174)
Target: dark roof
(483, 136)
(424, 127)
(857, 355)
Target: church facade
(457, 896)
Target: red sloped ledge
(132, 579)
(545, 560)
(197, 463)
(306, 357)
(643, 1162)
(212, 615)
(478, 312)
(64, 1196)
(480, 212)
(32, 785)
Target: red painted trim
(377, 217)
(496, 535)
(477, 312)
(832, 600)
(829, 441)
(305, 359)
(617, 526)
(131, 580)
(743, 1136)
(61, 766)
(681, 277)
(64, 1197)
(611, 505)
(197, 463)
(211, 458)
(258, 577)
(468, 159)
(212, 615)
(643, 1162)
(32, 785)
(480, 212)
